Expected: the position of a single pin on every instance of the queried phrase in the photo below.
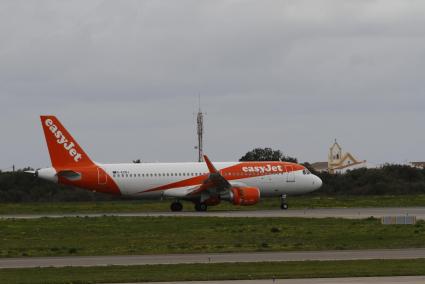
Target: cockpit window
(306, 172)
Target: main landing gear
(176, 206)
(201, 207)
(283, 203)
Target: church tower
(334, 157)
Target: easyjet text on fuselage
(263, 169)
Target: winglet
(210, 166)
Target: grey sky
(123, 77)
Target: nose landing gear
(283, 203)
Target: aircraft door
(102, 177)
(290, 174)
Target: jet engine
(244, 195)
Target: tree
(266, 154)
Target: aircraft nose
(317, 182)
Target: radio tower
(200, 132)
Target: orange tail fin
(63, 149)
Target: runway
(356, 280)
(27, 262)
(349, 213)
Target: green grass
(298, 202)
(158, 235)
(187, 272)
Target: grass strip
(187, 272)
(161, 235)
(296, 202)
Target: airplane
(204, 184)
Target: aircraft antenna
(200, 131)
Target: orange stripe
(231, 173)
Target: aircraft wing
(211, 185)
(180, 192)
(215, 181)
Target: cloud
(124, 76)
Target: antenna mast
(200, 132)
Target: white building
(418, 165)
(339, 161)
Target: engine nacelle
(244, 195)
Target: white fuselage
(138, 180)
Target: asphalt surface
(359, 280)
(210, 258)
(349, 213)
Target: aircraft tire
(284, 206)
(176, 206)
(201, 207)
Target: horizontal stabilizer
(69, 174)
